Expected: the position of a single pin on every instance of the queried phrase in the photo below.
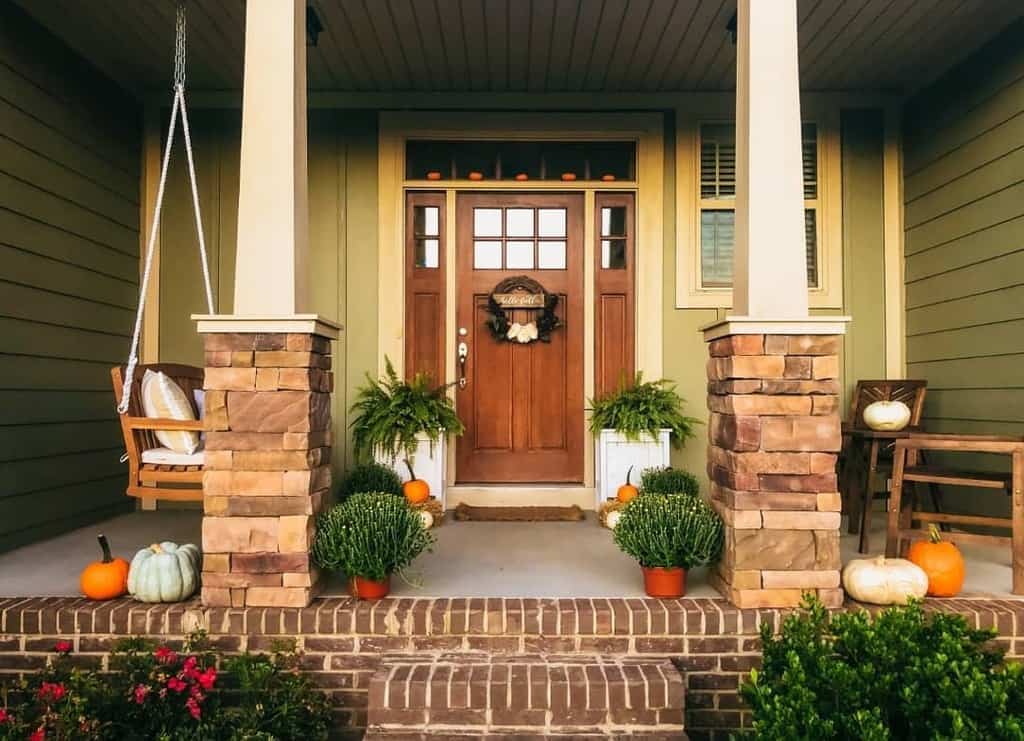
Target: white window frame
(690, 291)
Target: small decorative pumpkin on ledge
(627, 492)
(884, 581)
(416, 490)
(106, 579)
(165, 572)
(941, 561)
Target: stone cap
(730, 325)
(264, 323)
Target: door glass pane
(425, 221)
(551, 222)
(486, 222)
(613, 254)
(519, 222)
(519, 256)
(551, 256)
(487, 255)
(613, 221)
(427, 253)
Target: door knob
(463, 356)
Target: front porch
(545, 560)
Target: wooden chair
(863, 457)
(909, 467)
(150, 481)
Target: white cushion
(167, 457)
(162, 398)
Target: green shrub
(370, 476)
(372, 535)
(391, 412)
(668, 480)
(649, 407)
(670, 530)
(155, 692)
(904, 674)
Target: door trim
(645, 128)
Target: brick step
(525, 696)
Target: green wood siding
(964, 199)
(69, 213)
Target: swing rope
(177, 106)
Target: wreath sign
(522, 292)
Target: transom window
(519, 238)
(520, 160)
(718, 197)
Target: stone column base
(774, 435)
(267, 466)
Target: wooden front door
(522, 404)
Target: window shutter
(717, 161)
(811, 242)
(809, 147)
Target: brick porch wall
(713, 644)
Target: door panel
(522, 404)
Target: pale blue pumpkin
(164, 572)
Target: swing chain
(179, 47)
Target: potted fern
(669, 534)
(398, 422)
(635, 427)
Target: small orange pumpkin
(476, 175)
(568, 176)
(941, 561)
(105, 579)
(627, 492)
(416, 490)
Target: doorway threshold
(520, 495)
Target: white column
(769, 270)
(273, 221)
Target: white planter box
(430, 468)
(614, 455)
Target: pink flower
(176, 684)
(63, 647)
(165, 655)
(39, 735)
(207, 678)
(193, 708)
(51, 692)
(139, 693)
(189, 668)
(5, 717)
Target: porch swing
(162, 428)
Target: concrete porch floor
(470, 559)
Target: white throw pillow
(162, 398)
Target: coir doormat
(468, 513)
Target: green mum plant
(391, 412)
(670, 531)
(642, 407)
(370, 476)
(668, 480)
(371, 535)
(903, 674)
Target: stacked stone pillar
(267, 466)
(774, 437)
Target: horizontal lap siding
(69, 235)
(964, 199)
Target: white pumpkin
(611, 520)
(426, 519)
(165, 572)
(884, 581)
(887, 415)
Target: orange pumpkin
(416, 490)
(105, 579)
(627, 492)
(941, 561)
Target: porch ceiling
(534, 45)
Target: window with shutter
(717, 202)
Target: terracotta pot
(664, 583)
(369, 589)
